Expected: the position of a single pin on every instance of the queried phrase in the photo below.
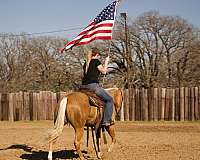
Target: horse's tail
(59, 122)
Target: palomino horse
(76, 109)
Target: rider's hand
(107, 59)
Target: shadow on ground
(42, 155)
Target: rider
(92, 69)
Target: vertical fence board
(182, 112)
(133, 103)
(50, 106)
(10, 107)
(186, 104)
(167, 104)
(145, 104)
(177, 106)
(126, 105)
(155, 104)
(173, 104)
(170, 105)
(43, 112)
(15, 106)
(150, 104)
(130, 107)
(36, 99)
(163, 104)
(199, 100)
(159, 103)
(196, 103)
(192, 104)
(141, 109)
(26, 106)
(19, 106)
(126, 109)
(31, 105)
(138, 105)
(122, 108)
(5, 106)
(1, 116)
(40, 107)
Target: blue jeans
(108, 110)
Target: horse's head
(117, 95)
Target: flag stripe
(87, 38)
(94, 27)
(91, 34)
(100, 27)
(84, 41)
(91, 37)
(95, 38)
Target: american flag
(100, 28)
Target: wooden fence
(181, 104)
(139, 105)
(28, 106)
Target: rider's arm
(104, 68)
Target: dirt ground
(135, 141)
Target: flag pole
(109, 49)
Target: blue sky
(33, 16)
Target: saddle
(93, 98)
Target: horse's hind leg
(79, 132)
(111, 132)
(50, 157)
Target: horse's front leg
(111, 132)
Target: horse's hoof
(109, 149)
(50, 156)
(99, 155)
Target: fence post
(133, 104)
(167, 108)
(199, 100)
(11, 107)
(186, 104)
(126, 106)
(1, 117)
(150, 104)
(122, 109)
(196, 103)
(138, 106)
(163, 104)
(5, 106)
(182, 104)
(192, 104)
(177, 106)
(26, 106)
(155, 104)
(173, 104)
(145, 104)
(35, 106)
